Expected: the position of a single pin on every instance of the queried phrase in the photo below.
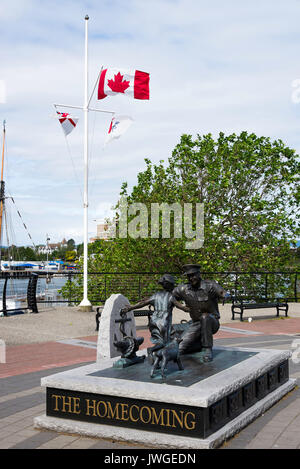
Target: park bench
(239, 305)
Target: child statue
(160, 321)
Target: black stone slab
(194, 370)
(127, 412)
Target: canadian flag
(129, 82)
(68, 122)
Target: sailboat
(13, 290)
(3, 208)
(2, 185)
(10, 304)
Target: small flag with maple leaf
(132, 83)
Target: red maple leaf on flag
(118, 85)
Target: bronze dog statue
(169, 352)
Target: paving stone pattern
(22, 398)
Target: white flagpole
(85, 304)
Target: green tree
(60, 253)
(30, 254)
(248, 185)
(79, 248)
(70, 256)
(71, 244)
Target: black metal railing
(137, 285)
(67, 287)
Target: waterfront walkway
(57, 339)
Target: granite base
(199, 407)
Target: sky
(214, 66)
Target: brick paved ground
(22, 398)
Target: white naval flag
(118, 126)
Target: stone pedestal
(198, 407)
(109, 330)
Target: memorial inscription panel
(176, 419)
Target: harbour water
(17, 287)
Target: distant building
(42, 249)
(104, 231)
(51, 247)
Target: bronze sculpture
(160, 321)
(201, 298)
(128, 346)
(201, 302)
(170, 352)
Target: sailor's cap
(191, 268)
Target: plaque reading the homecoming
(121, 411)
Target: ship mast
(2, 187)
